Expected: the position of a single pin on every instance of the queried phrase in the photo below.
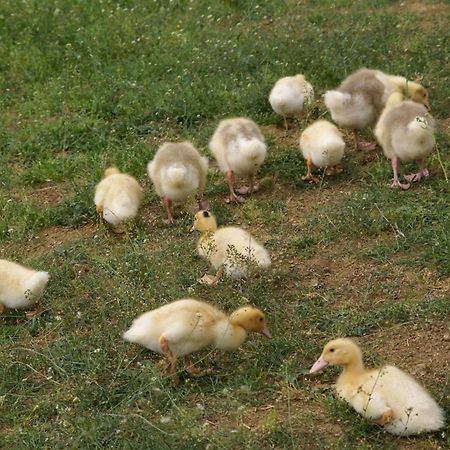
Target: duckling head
(251, 319)
(340, 352)
(111, 171)
(204, 221)
(418, 94)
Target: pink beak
(318, 365)
(266, 332)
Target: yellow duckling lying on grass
(117, 198)
(188, 325)
(20, 287)
(387, 396)
(229, 249)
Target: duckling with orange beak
(189, 325)
(387, 396)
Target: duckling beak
(266, 332)
(191, 229)
(319, 365)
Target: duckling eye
(331, 349)
(205, 214)
(261, 319)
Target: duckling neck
(353, 368)
(205, 236)
(229, 336)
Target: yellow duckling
(117, 198)
(289, 96)
(387, 396)
(20, 287)
(229, 249)
(322, 146)
(186, 326)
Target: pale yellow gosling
(20, 287)
(117, 198)
(359, 100)
(386, 396)
(230, 250)
(188, 325)
(239, 149)
(178, 172)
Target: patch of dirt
(55, 236)
(420, 349)
(48, 194)
(422, 8)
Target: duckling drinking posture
(290, 95)
(188, 325)
(20, 287)
(178, 172)
(359, 100)
(239, 148)
(322, 146)
(117, 198)
(229, 249)
(405, 131)
(386, 396)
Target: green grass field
(87, 84)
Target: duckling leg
(172, 366)
(99, 210)
(422, 173)
(232, 196)
(362, 145)
(285, 124)
(195, 371)
(210, 279)
(35, 312)
(309, 176)
(2, 308)
(252, 186)
(168, 206)
(396, 183)
(387, 416)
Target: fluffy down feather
(20, 287)
(290, 95)
(238, 146)
(178, 171)
(118, 196)
(323, 143)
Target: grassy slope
(87, 84)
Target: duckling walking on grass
(239, 149)
(230, 250)
(189, 325)
(117, 198)
(386, 396)
(178, 172)
(20, 287)
(290, 95)
(359, 100)
(405, 131)
(322, 146)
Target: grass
(87, 84)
